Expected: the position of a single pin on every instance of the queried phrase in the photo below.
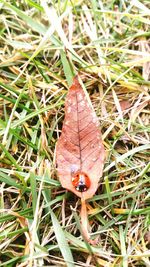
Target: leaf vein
(90, 155)
(88, 144)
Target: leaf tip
(75, 84)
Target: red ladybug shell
(81, 181)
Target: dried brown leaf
(79, 151)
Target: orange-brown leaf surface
(79, 151)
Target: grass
(42, 47)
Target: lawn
(43, 45)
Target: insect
(81, 181)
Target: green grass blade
(35, 113)
(127, 154)
(108, 190)
(33, 191)
(9, 181)
(10, 157)
(61, 239)
(123, 247)
(30, 22)
(68, 70)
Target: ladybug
(81, 181)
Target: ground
(43, 45)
